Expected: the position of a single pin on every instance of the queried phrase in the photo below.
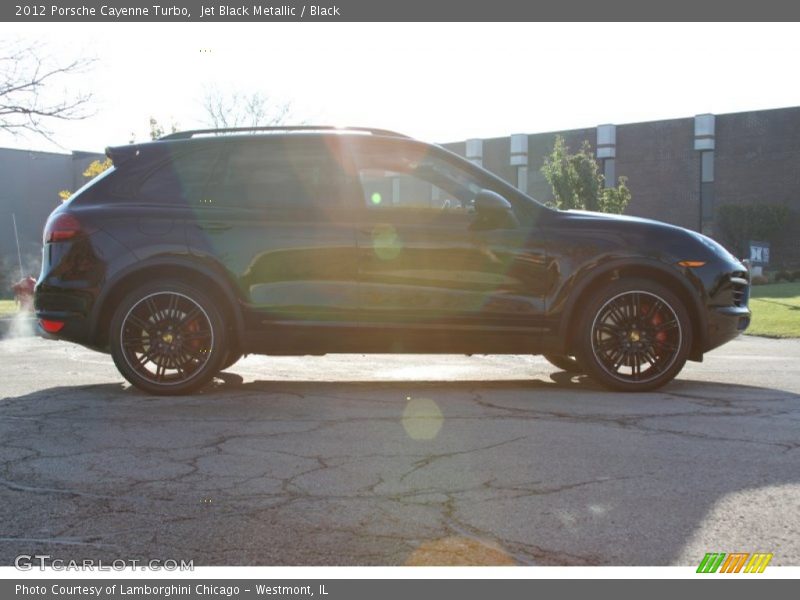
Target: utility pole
(19, 254)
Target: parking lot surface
(391, 460)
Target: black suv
(206, 245)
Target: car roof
(280, 129)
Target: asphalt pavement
(391, 460)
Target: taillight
(61, 227)
(51, 326)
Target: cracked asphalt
(392, 460)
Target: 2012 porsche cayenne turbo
(205, 245)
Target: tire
(231, 358)
(634, 335)
(168, 338)
(564, 362)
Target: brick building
(679, 170)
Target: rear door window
(282, 174)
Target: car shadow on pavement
(227, 383)
(231, 382)
(542, 471)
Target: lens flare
(386, 242)
(422, 419)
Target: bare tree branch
(25, 72)
(240, 109)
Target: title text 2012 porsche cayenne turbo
(206, 245)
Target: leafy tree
(577, 182)
(615, 199)
(96, 167)
(157, 130)
(93, 170)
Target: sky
(438, 82)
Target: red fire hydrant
(23, 293)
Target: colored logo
(734, 562)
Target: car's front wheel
(634, 335)
(168, 338)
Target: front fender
(689, 288)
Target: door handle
(213, 225)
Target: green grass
(776, 310)
(8, 308)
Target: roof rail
(185, 135)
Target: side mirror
(493, 212)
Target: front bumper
(725, 323)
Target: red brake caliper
(661, 336)
(194, 327)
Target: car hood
(606, 218)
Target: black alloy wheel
(168, 338)
(635, 335)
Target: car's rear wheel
(564, 362)
(168, 338)
(634, 335)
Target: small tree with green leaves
(615, 199)
(577, 182)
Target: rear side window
(281, 174)
(182, 180)
(86, 191)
